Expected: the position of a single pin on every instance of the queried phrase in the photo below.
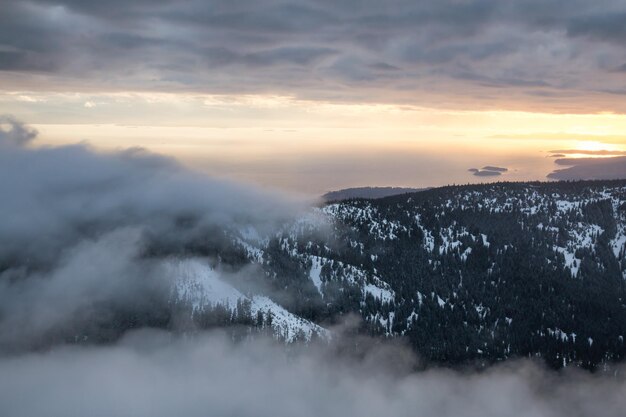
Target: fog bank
(82, 232)
(153, 374)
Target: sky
(310, 96)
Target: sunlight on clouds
(596, 146)
(316, 145)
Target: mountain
(465, 275)
(474, 273)
(367, 192)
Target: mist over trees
(127, 278)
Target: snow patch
(199, 284)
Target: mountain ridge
(464, 274)
(473, 264)
(367, 192)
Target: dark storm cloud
(310, 48)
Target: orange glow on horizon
(282, 141)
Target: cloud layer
(560, 55)
(61, 194)
(80, 230)
(153, 374)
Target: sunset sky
(311, 96)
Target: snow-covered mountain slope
(475, 272)
(464, 274)
(197, 283)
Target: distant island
(368, 192)
(488, 171)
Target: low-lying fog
(152, 374)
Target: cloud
(80, 226)
(605, 26)
(155, 374)
(14, 133)
(90, 281)
(447, 51)
(85, 235)
(58, 191)
(621, 68)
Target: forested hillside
(488, 271)
(465, 275)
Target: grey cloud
(113, 9)
(153, 374)
(12, 132)
(77, 226)
(383, 66)
(500, 82)
(90, 280)
(306, 48)
(23, 61)
(298, 56)
(270, 58)
(56, 190)
(269, 18)
(610, 27)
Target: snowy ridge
(337, 270)
(312, 221)
(475, 259)
(195, 282)
(366, 216)
(315, 272)
(253, 253)
(286, 324)
(200, 285)
(553, 209)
